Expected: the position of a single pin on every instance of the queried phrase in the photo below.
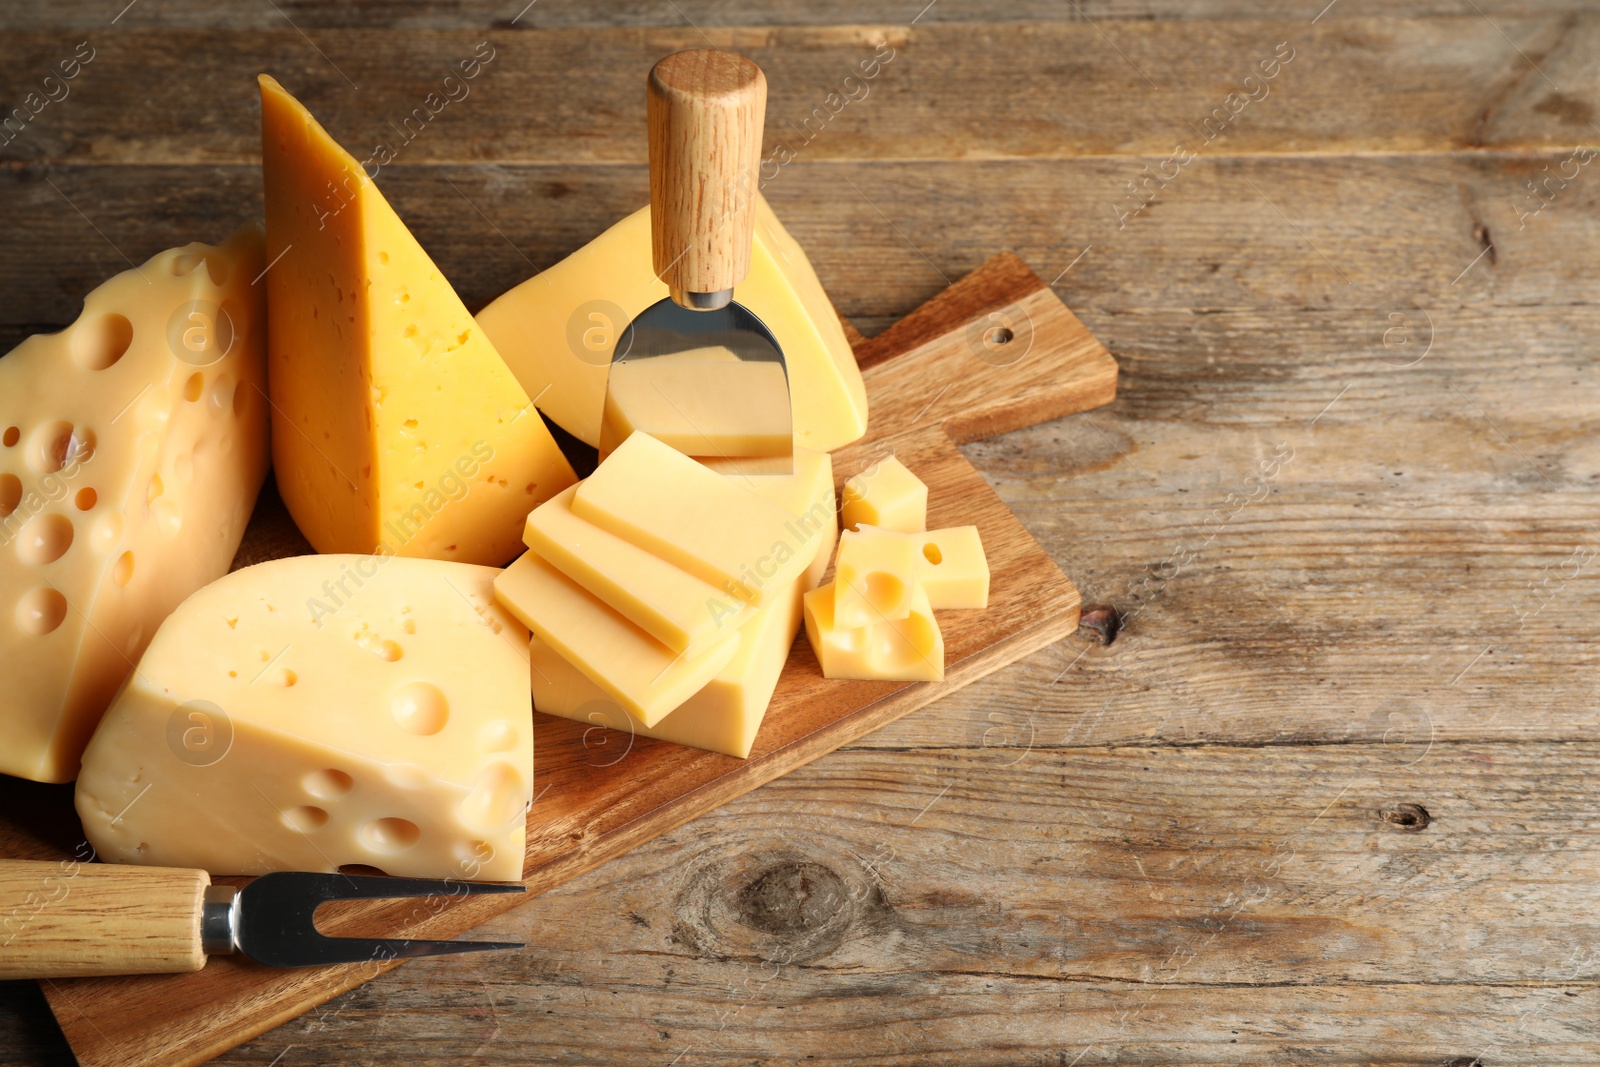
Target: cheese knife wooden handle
(706, 108)
(68, 919)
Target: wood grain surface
(1209, 848)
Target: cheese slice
(725, 715)
(345, 710)
(711, 407)
(952, 569)
(886, 495)
(396, 426)
(557, 330)
(132, 445)
(875, 576)
(639, 672)
(707, 523)
(683, 612)
(908, 650)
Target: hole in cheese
(193, 387)
(156, 488)
(45, 539)
(362, 868)
(327, 784)
(101, 341)
(498, 797)
(498, 736)
(288, 678)
(884, 590)
(931, 553)
(86, 499)
(420, 707)
(122, 571)
(10, 493)
(57, 444)
(12, 434)
(305, 819)
(41, 610)
(390, 835)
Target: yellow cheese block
(319, 711)
(808, 494)
(723, 716)
(639, 672)
(670, 604)
(886, 495)
(396, 427)
(710, 407)
(876, 575)
(952, 568)
(557, 330)
(709, 524)
(908, 650)
(132, 445)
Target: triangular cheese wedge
(132, 445)
(363, 710)
(395, 425)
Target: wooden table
(1327, 797)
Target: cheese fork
(65, 920)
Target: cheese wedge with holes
(886, 495)
(132, 445)
(874, 577)
(725, 715)
(395, 427)
(639, 672)
(557, 330)
(910, 649)
(318, 711)
(709, 524)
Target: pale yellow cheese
(886, 495)
(952, 568)
(132, 445)
(726, 713)
(396, 427)
(318, 711)
(557, 330)
(639, 672)
(681, 611)
(709, 524)
(909, 649)
(701, 407)
(875, 575)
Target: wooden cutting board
(994, 352)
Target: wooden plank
(600, 807)
(1211, 243)
(955, 92)
(1134, 905)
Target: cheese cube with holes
(909, 649)
(885, 495)
(132, 445)
(711, 525)
(319, 711)
(395, 425)
(557, 330)
(875, 576)
(952, 568)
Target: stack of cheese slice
(663, 596)
(318, 711)
(132, 445)
(875, 619)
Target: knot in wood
(792, 897)
(1412, 818)
(1102, 620)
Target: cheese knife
(697, 369)
(65, 920)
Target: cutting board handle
(706, 109)
(68, 919)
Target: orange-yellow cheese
(132, 445)
(886, 495)
(396, 427)
(318, 711)
(874, 576)
(557, 330)
(906, 649)
(952, 568)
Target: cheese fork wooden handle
(61, 920)
(705, 108)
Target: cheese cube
(318, 711)
(875, 576)
(909, 649)
(639, 672)
(726, 713)
(709, 524)
(557, 330)
(132, 445)
(670, 604)
(395, 423)
(723, 716)
(952, 569)
(886, 495)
